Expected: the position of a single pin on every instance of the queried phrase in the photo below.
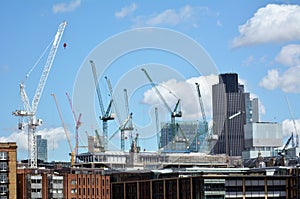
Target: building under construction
(190, 136)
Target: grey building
(229, 115)
(263, 138)
(42, 152)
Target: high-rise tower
(229, 116)
(42, 151)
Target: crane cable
(36, 63)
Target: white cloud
(271, 81)
(53, 135)
(126, 11)
(186, 91)
(273, 23)
(185, 15)
(289, 55)
(66, 7)
(288, 82)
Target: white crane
(30, 109)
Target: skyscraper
(41, 148)
(229, 115)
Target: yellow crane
(66, 131)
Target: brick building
(8, 170)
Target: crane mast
(128, 126)
(203, 117)
(173, 113)
(30, 109)
(106, 115)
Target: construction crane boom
(173, 113)
(119, 120)
(30, 110)
(208, 136)
(294, 124)
(99, 139)
(121, 126)
(156, 90)
(65, 130)
(201, 104)
(106, 115)
(47, 66)
(77, 123)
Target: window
(73, 190)
(3, 166)
(36, 181)
(3, 155)
(3, 188)
(3, 177)
(73, 181)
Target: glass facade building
(229, 115)
(42, 152)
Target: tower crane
(106, 115)
(65, 130)
(203, 115)
(29, 111)
(128, 126)
(123, 127)
(173, 113)
(77, 123)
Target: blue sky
(259, 40)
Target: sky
(178, 42)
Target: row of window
(89, 181)
(89, 191)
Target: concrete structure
(8, 170)
(150, 160)
(229, 115)
(42, 148)
(262, 137)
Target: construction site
(190, 139)
(192, 160)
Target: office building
(229, 115)
(263, 138)
(8, 170)
(42, 152)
